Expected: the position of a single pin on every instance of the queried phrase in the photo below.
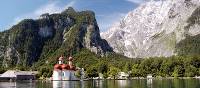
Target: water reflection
(68, 84)
(122, 83)
(18, 84)
(98, 83)
(137, 83)
(57, 84)
(149, 83)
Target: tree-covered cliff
(45, 39)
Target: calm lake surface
(138, 83)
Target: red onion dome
(58, 67)
(65, 66)
(70, 58)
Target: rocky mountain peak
(154, 28)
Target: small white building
(149, 76)
(123, 75)
(64, 71)
(101, 76)
(82, 73)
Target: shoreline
(46, 80)
(133, 78)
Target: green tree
(78, 74)
(199, 72)
(45, 71)
(2, 70)
(102, 68)
(21, 68)
(113, 72)
(177, 71)
(145, 67)
(166, 67)
(155, 66)
(135, 71)
(190, 71)
(127, 67)
(105, 75)
(92, 72)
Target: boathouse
(18, 75)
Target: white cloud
(71, 4)
(137, 1)
(51, 7)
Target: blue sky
(107, 11)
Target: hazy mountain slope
(155, 28)
(191, 44)
(49, 37)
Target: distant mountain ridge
(49, 37)
(158, 28)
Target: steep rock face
(191, 44)
(50, 36)
(154, 28)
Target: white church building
(64, 71)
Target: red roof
(65, 66)
(58, 67)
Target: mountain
(158, 28)
(50, 36)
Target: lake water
(139, 83)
